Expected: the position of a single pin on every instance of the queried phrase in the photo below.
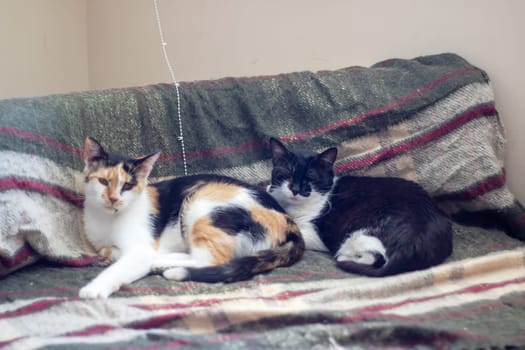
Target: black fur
(400, 213)
(236, 219)
(170, 191)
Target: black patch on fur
(267, 201)
(233, 220)
(172, 193)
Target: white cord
(170, 68)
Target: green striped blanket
(430, 119)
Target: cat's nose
(295, 190)
(113, 200)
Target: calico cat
(372, 226)
(206, 228)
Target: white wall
(43, 47)
(216, 38)
(211, 39)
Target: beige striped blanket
(432, 119)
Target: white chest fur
(303, 210)
(126, 229)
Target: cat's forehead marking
(117, 173)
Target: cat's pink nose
(113, 200)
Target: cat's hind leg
(362, 248)
(178, 271)
(164, 261)
(169, 258)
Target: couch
(431, 119)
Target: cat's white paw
(94, 290)
(360, 258)
(176, 273)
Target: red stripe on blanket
(384, 109)
(94, 330)
(76, 262)
(157, 321)
(478, 189)
(469, 290)
(37, 137)
(25, 252)
(32, 308)
(33, 185)
(324, 129)
(197, 303)
(465, 312)
(209, 302)
(481, 111)
(10, 341)
(468, 312)
(259, 143)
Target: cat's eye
(103, 181)
(127, 186)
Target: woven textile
(431, 119)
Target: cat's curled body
(205, 228)
(375, 226)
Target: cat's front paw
(94, 290)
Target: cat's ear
(328, 157)
(93, 153)
(145, 164)
(278, 150)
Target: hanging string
(163, 43)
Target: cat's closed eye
(103, 181)
(282, 174)
(312, 175)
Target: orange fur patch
(105, 252)
(156, 243)
(215, 191)
(153, 194)
(115, 176)
(274, 222)
(219, 244)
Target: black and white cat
(206, 228)
(372, 226)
